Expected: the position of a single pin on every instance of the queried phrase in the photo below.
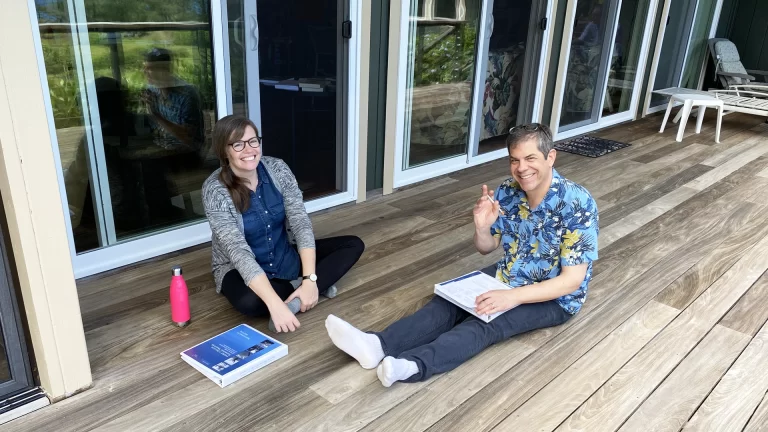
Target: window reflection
(133, 106)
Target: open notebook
(463, 291)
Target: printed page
(466, 290)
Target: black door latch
(346, 29)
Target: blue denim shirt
(561, 231)
(265, 232)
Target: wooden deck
(673, 334)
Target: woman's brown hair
(226, 131)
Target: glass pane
(302, 89)
(505, 76)
(676, 34)
(64, 84)
(135, 161)
(626, 53)
(697, 50)
(5, 369)
(442, 47)
(584, 64)
(237, 56)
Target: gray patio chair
(729, 69)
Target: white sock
(363, 347)
(395, 369)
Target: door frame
(11, 327)
(602, 122)
(198, 232)
(405, 176)
(647, 109)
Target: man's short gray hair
(525, 132)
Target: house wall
(35, 214)
(749, 31)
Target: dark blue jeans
(441, 336)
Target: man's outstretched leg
(425, 325)
(468, 339)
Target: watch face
(313, 277)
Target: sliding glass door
(136, 88)
(510, 61)
(468, 71)
(287, 63)
(132, 95)
(683, 54)
(606, 51)
(442, 51)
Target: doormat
(590, 146)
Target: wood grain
(677, 398)
(654, 192)
(729, 167)
(630, 174)
(615, 253)
(598, 318)
(733, 151)
(613, 403)
(763, 173)
(346, 381)
(745, 382)
(657, 177)
(685, 247)
(636, 219)
(759, 420)
(685, 290)
(750, 312)
(548, 408)
(451, 390)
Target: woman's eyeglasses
(238, 146)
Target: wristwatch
(311, 276)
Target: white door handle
(254, 33)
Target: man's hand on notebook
(496, 301)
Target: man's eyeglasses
(526, 127)
(238, 146)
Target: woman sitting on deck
(253, 205)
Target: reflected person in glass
(175, 114)
(265, 258)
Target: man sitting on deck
(548, 227)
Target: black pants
(441, 336)
(334, 257)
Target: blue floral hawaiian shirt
(562, 230)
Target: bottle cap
(177, 271)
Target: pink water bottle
(179, 298)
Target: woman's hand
(308, 293)
(496, 301)
(284, 320)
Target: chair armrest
(748, 93)
(737, 75)
(761, 73)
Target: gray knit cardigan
(229, 250)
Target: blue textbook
(231, 355)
